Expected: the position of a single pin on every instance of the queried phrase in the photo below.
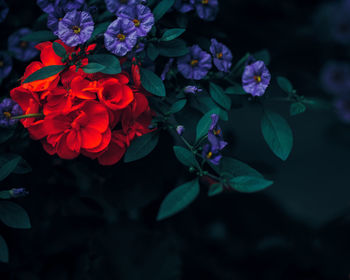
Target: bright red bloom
(115, 150)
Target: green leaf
(235, 168)
(317, 103)
(219, 96)
(178, 199)
(99, 29)
(215, 189)
(249, 184)
(7, 168)
(152, 52)
(186, 157)
(236, 89)
(142, 146)
(6, 134)
(22, 167)
(110, 62)
(285, 84)
(297, 108)
(59, 49)
(39, 36)
(13, 215)
(152, 83)
(204, 123)
(263, 55)
(277, 134)
(174, 48)
(172, 34)
(4, 251)
(93, 67)
(161, 8)
(178, 106)
(44, 73)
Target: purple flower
(141, 16)
(211, 153)
(215, 135)
(335, 77)
(49, 6)
(8, 109)
(180, 129)
(194, 65)
(166, 69)
(121, 36)
(75, 28)
(256, 78)
(207, 9)
(18, 192)
(184, 6)
(222, 56)
(340, 24)
(115, 6)
(342, 106)
(5, 65)
(21, 50)
(4, 10)
(54, 18)
(192, 89)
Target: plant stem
(37, 115)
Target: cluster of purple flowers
(256, 78)
(212, 150)
(206, 9)
(197, 63)
(9, 109)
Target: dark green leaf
(178, 199)
(152, 52)
(4, 251)
(13, 215)
(277, 134)
(59, 49)
(172, 34)
(161, 8)
(100, 29)
(249, 184)
(317, 103)
(174, 48)
(186, 157)
(285, 84)
(39, 36)
(215, 189)
(263, 55)
(297, 108)
(152, 83)
(219, 96)
(142, 146)
(110, 62)
(8, 167)
(44, 73)
(236, 89)
(235, 168)
(93, 67)
(204, 123)
(178, 106)
(6, 134)
(22, 167)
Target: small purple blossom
(121, 36)
(194, 65)
(342, 106)
(18, 192)
(141, 16)
(335, 77)
(222, 56)
(256, 78)
(215, 135)
(114, 6)
(180, 129)
(5, 65)
(166, 68)
(21, 50)
(4, 10)
(54, 18)
(192, 89)
(211, 154)
(75, 28)
(184, 6)
(49, 6)
(8, 109)
(207, 9)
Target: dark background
(93, 222)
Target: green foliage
(22, 166)
(99, 29)
(8, 167)
(178, 199)
(219, 96)
(297, 108)
(236, 90)
(285, 84)
(161, 8)
(186, 157)
(6, 134)
(204, 124)
(110, 62)
(13, 215)
(172, 34)
(178, 106)
(174, 48)
(233, 168)
(39, 36)
(93, 67)
(263, 55)
(277, 134)
(249, 184)
(215, 189)
(59, 49)
(152, 83)
(152, 52)
(44, 73)
(142, 146)
(4, 251)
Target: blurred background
(93, 222)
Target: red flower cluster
(96, 115)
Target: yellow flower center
(23, 44)
(136, 22)
(219, 55)
(121, 37)
(76, 29)
(257, 79)
(60, 19)
(194, 62)
(205, 2)
(7, 114)
(209, 155)
(217, 132)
